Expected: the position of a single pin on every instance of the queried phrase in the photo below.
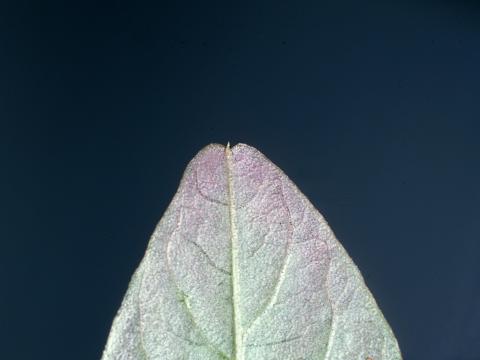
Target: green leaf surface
(242, 267)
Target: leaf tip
(228, 150)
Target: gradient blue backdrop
(371, 107)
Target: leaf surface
(242, 267)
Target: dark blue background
(371, 107)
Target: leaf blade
(242, 266)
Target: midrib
(236, 315)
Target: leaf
(242, 267)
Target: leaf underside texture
(242, 267)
